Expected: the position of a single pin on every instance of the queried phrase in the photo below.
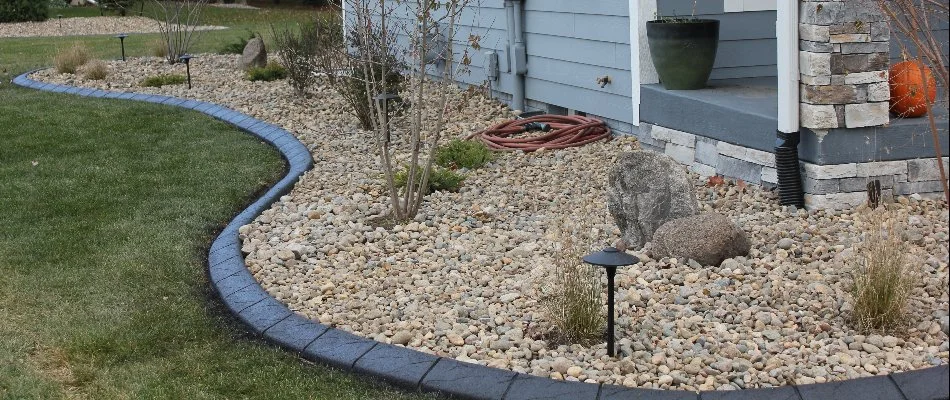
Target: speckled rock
(708, 238)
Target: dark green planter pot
(683, 51)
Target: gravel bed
(461, 279)
(85, 26)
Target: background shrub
(439, 179)
(238, 46)
(23, 10)
(95, 70)
(57, 4)
(164, 79)
(71, 58)
(297, 49)
(883, 280)
(271, 72)
(469, 154)
(320, 48)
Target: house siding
(747, 45)
(569, 45)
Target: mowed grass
(107, 208)
(23, 54)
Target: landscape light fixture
(59, 18)
(382, 100)
(610, 258)
(185, 58)
(121, 38)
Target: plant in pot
(683, 49)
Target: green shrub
(164, 79)
(23, 10)
(469, 154)
(70, 59)
(439, 179)
(57, 4)
(238, 46)
(883, 279)
(96, 70)
(271, 72)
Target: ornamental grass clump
(95, 70)
(468, 154)
(571, 297)
(883, 279)
(67, 61)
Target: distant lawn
(22, 54)
(106, 211)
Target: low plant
(883, 279)
(163, 80)
(70, 59)
(270, 72)
(468, 154)
(238, 46)
(297, 50)
(440, 179)
(95, 70)
(570, 297)
(23, 10)
(158, 48)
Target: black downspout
(790, 188)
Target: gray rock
(255, 55)
(402, 337)
(708, 238)
(785, 243)
(645, 190)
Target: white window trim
(731, 6)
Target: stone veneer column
(843, 60)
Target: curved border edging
(244, 296)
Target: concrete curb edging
(415, 370)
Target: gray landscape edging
(244, 296)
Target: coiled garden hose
(562, 131)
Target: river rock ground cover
(461, 279)
(84, 26)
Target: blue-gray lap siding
(747, 45)
(571, 43)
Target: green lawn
(107, 208)
(22, 54)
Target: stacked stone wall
(843, 61)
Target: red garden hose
(566, 131)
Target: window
(748, 5)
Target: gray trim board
(244, 296)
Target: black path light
(383, 100)
(610, 258)
(122, 37)
(185, 58)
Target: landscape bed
(459, 281)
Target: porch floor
(740, 111)
(744, 112)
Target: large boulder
(644, 191)
(255, 55)
(708, 238)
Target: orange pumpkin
(907, 88)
